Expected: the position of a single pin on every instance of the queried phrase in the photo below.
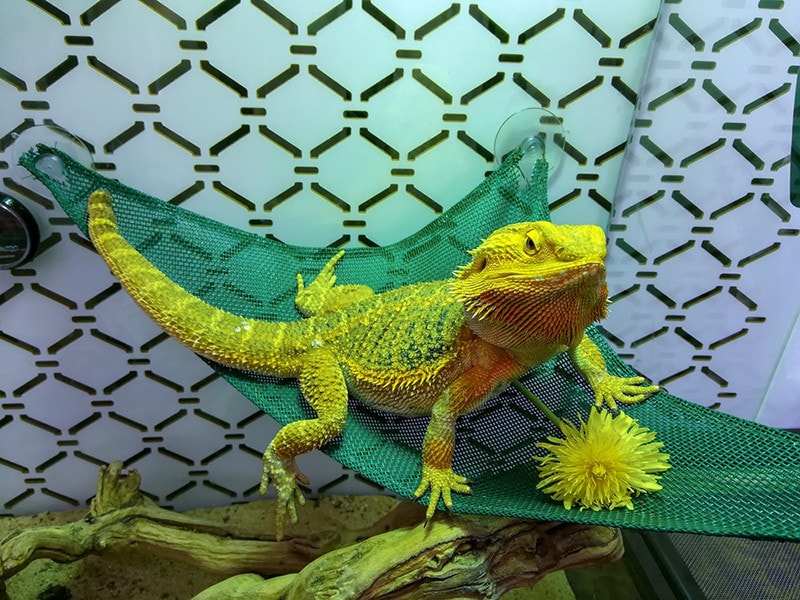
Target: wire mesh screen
(729, 476)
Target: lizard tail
(221, 336)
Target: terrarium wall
(356, 123)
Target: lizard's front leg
(437, 458)
(323, 385)
(492, 369)
(586, 356)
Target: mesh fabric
(728, 477)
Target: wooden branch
(464, 557)
(121, 516)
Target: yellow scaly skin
(440, 348)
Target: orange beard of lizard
(553, 311)
(537, 285)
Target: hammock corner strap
(729, 476)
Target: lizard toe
(285, 479)
(441, 483)
(628, 390)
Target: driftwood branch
(121, 516)
(464, 557)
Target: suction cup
(538, 132)
(55, 137)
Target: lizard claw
(285, 479)
(441, 483)
(628, 390)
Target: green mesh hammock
(728, 477)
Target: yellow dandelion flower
(601, 463)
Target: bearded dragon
(439, 348)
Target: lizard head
(535, 282)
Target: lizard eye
(532, 242)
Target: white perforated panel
(344, 123)
(705, 239)
(347, 123)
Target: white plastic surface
(284, 122)
(317, 122)
(704, 240)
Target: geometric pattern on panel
(704, 235)
(264, 115)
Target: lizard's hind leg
(323, 385)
